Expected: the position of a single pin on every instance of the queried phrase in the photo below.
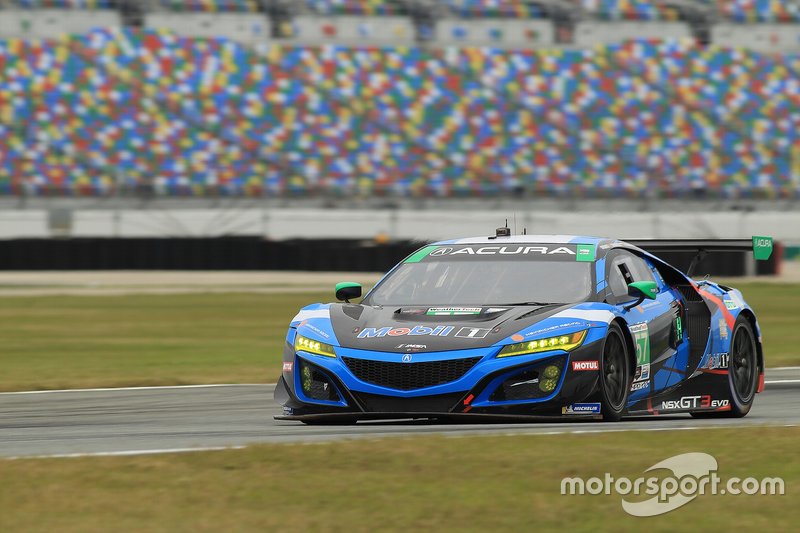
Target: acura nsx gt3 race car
(528, 325)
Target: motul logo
(585, 365)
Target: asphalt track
(163, 419)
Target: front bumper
(492, 388)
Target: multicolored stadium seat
(629, 10)
(67, 4)
(747, 11)
(494, 8)
(357, 7)
(463, 8)
(210, 6)
(760, 10)
(124, 109)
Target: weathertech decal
(585, 365)
(438, 331)
(451, 311)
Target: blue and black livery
(528, 325)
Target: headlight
(302, 344)
(562, 342)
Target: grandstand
(237, 98)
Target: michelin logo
(581, 409)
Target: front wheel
(615, 375)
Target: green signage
(641, 337)
(585, 252)
(762, 248)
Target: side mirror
(347, 290)
(641, 290)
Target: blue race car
(527, 325)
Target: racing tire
(742, 372)
(615, 375)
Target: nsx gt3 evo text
(527, 325)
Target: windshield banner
(512, 252)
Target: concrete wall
(284, 223)
(501, 33)
(352, 31)
(591, 33)
(50, 23)
(770, 38)
(247, 28)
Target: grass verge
(509, 483)
(777, 307)
(52, 342)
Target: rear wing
(760, 246)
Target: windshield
(473, 278)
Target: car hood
(429, 329)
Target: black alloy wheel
(615, 374)
(743, 372)
(743, 368)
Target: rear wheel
(743, 368)
(615, 374)
(742, 372)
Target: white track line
(525, 433)
(777, 381)
(160, 387)
(125, 453)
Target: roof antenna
(524, 231)
(502, 232)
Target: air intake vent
(409, 376)
(530, 383)
(688, 292)
(316, 385)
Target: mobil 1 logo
(473, 333)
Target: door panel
(652, 324)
